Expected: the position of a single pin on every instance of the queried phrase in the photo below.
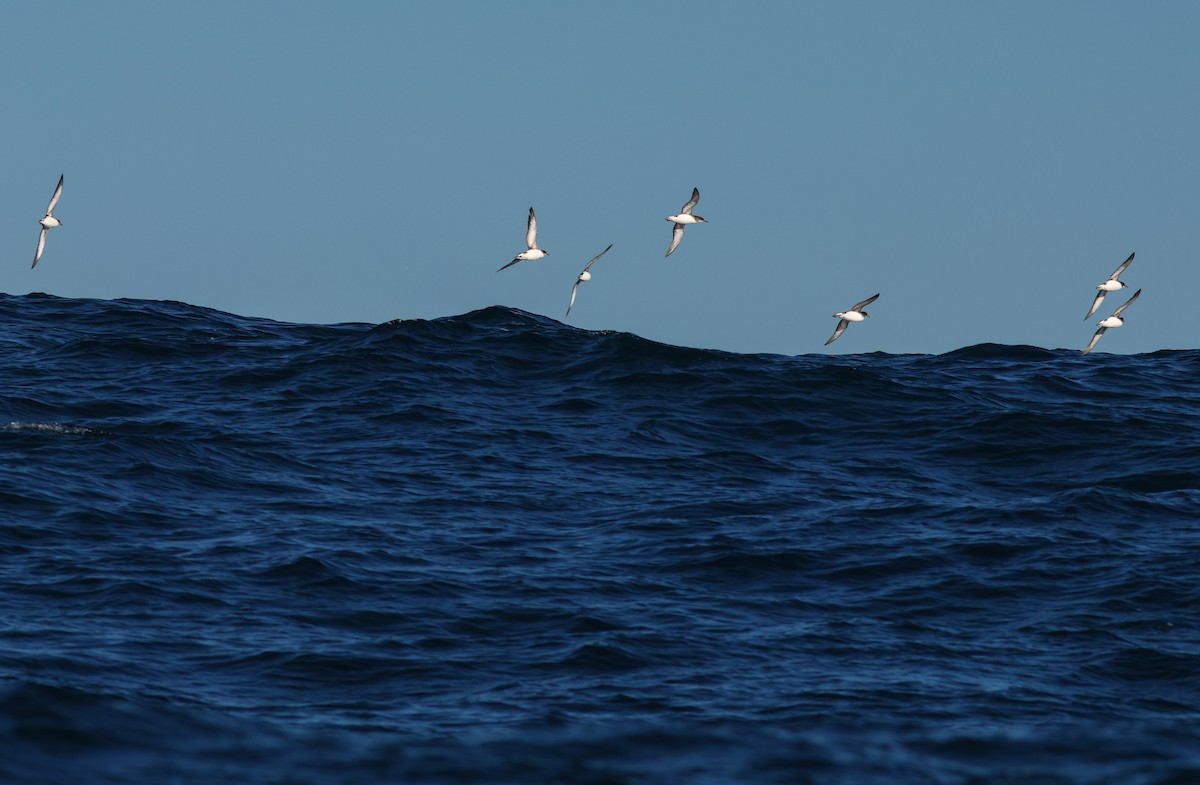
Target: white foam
(50, 427)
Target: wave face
(494, 548)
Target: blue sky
(982, 165)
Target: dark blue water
(495, 548)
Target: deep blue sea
(494, 548)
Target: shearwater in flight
(584, 276)
(1111, 285)
(855, 314)
(1116, 320)
(48, 223)
(530, 240)
(682, 219)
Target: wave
(495, 547)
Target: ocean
(494, 548)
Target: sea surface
(494, 548)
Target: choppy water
(494, 548)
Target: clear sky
(982, 165)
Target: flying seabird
(1111, 285)
(584, 276)
(530, 240)
(855, 314)
(685, 217)
(48, 223)
(1113, 321)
